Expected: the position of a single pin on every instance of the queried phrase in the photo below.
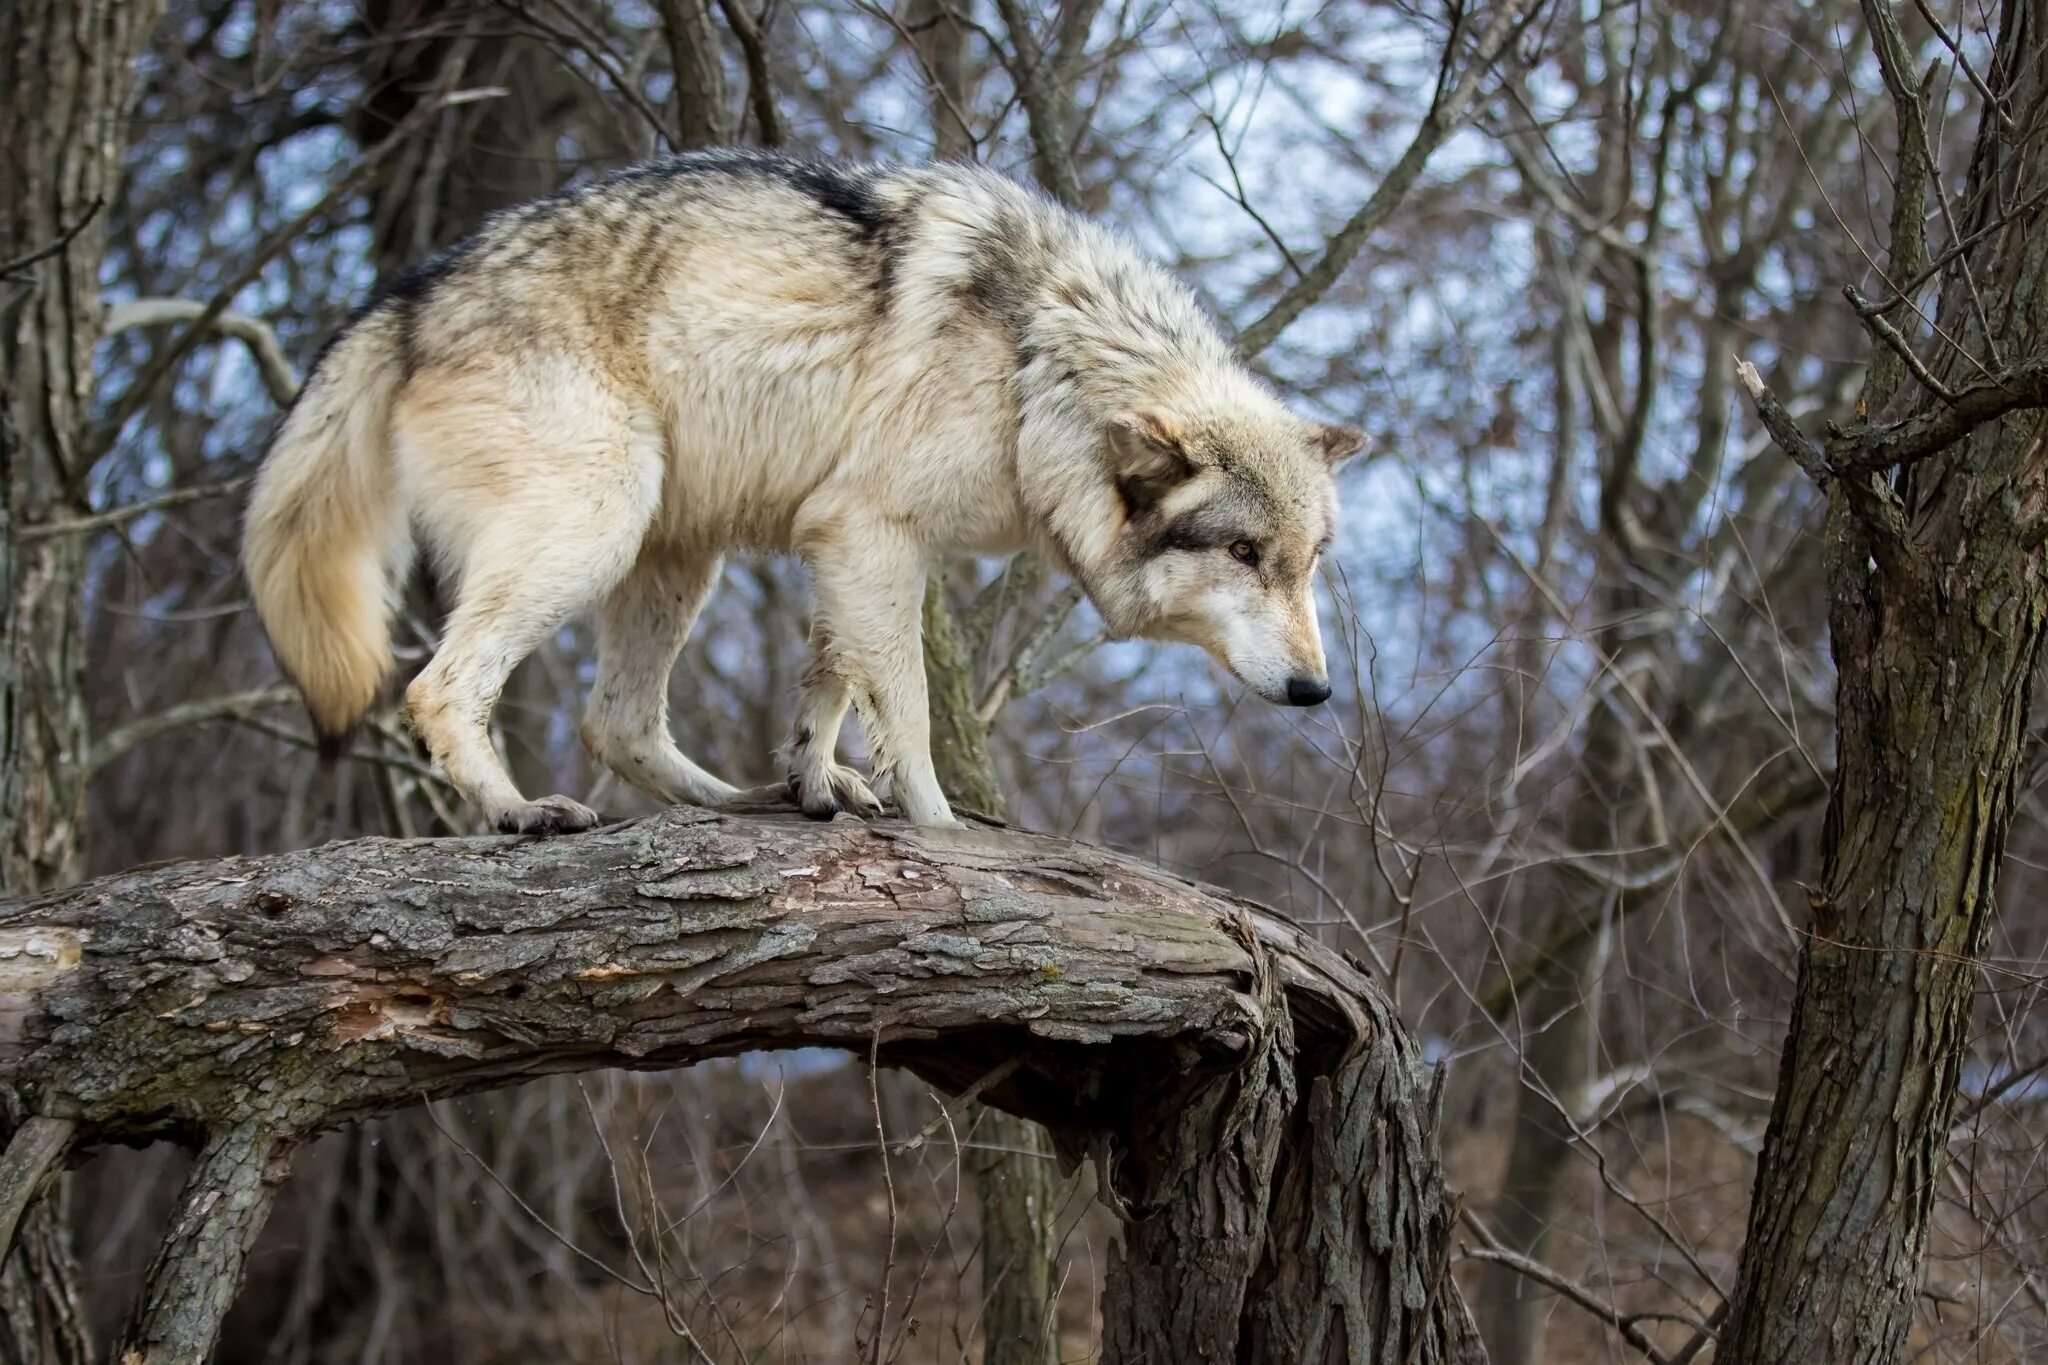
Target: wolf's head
(1224, 509)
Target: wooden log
(1212, 1055)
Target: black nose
(1307, 692)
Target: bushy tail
(326, 545)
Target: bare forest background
(1566, 803)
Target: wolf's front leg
(868, 578)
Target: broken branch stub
(1218, 1059)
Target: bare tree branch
(233, 706)
(117, 516)
(701, 116)
(1867, 450)
(760, 83)
(167, 359)
(1449, 111)
(1045, 80)
(278, 376)
(198, 1267)
(11, 271)
(1626, 1324)
(33, 1154)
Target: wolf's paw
(832, 788)
(549, 815)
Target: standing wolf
(599, 395)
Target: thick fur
(326, 544)
(597, 397)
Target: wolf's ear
(1338, 443)
(1147, 453)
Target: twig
(933, 84)
(32, 1155)
(1994, 105)
(1450, 110)
(581, 36)
(1624, 1323)
(115, 516)
(139, 392)
(1243, 200)
(11, 270)
(1872, 318)
(908, 1329)
(888, 1183)
(996, 1075)
(1907, 289)
(232, 706)
(568, 1243)
(278, 376)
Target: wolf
(599, 395)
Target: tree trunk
(702, 119)
(1937, 603)
(1015, 1182)
(65, 88)
(252, 1002)
(1553, 1020)
(66, 83)
(1554, 1025)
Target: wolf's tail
(327, 545)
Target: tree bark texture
(66, 84)
(702, 119)
(198, 1265)
(246, 1003)
(1016, 1184)
(1937, 605)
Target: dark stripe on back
(846, 192)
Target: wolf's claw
(549, 815)
(834, 788)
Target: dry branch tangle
(284, 994)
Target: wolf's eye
(1244, 552)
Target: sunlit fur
(599, 395)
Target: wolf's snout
(1307, 691)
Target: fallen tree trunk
(1261, 1118)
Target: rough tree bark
(1938, 597)
(1256, 1106)
(66, 83)
(65, 87)
(1016, 1187)
(702, 118)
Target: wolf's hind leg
(449, 704)
(818, 781)
(528, 553)
(640, 632)
(869, 581)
